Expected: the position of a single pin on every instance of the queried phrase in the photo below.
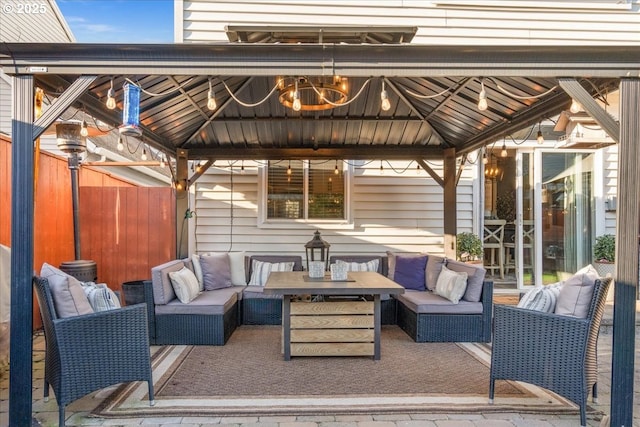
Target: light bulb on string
(381, 168)
(111, 101)
(242, 167)
(482, 97)
(540, 138)
(575, 106)
(385, 104)
(162, 162)
(211, 98)
(83, 130)
(485, 159)
(336, 171)
(144, 154)
(503, 151)
(289, 171)
(120, 145)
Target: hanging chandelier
(313, 93)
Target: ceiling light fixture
(385, 104)
(540, 138)
(111, 101)
(482, 97)
(313, 93)
(211, 98)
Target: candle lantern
(317, 250)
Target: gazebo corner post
(450, 202)
(183, 213)
(627, 243)
(22, 244)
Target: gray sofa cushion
(428, 302)
(218, 301)
(162, 290)
(475, 278)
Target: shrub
(605, 248)
(468, 247)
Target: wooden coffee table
(337, 326)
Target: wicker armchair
(549, 350)
(89, 352)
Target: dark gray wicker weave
(265, 311)
(425, 327)
(183, 329)
(549, 350)
(89, 352)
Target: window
(306, 190)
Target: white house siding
(610, 182)
(19, 23)
(398, 211)
(504, 22)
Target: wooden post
(182, 203)
(450, 203)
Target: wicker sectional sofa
(213, 315)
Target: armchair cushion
(575, 296)
(451, 285)
(434, 267)
(475, 278)
(67, 293)
(185, 284)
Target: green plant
(468, 247)
(604, 250)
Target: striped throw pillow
(260, 271)
(361, 266)
(541, 298)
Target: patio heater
(71, 141)
(317, 250)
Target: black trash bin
(133, 292)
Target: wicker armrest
(548, 331)
(104, 335)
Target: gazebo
(483, 93)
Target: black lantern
(317, 250)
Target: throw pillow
(100, 297)
(451, 285)
(68, 296)
(216, 271)
(260, 271)
(238, 275)
(410, 272)
(197, 270)
(541, 298)
(434, 267)
(475, 278)
(391, 262)
(185, 284)
(575, 296)
(361, 266)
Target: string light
(385, 104)
(336, 171)
(162, 162)
(111, 101)
(503, 152)
(482, 97)
(211, 98)
(540, 138)
(144, 154)
(120, 145)
(289, 171)
(575, 106)
(381, 168)
(242, 167)
(485, 159)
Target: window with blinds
(311, 190)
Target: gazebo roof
(433, 90)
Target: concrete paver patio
(77, 413)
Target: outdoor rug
(248, 376)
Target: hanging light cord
(513, 95)
(159, 94)
(417, 95)
(244, 104)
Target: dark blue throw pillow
(410, 271)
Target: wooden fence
(124, 228)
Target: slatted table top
(358, 283)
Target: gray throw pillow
(216, 271)
(68, 295)
(432, 271)
(576, 292)
(475, 278)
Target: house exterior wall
(506, 22)
(27, 22)
(398, 210)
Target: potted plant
(468, 247)
(604, 254)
